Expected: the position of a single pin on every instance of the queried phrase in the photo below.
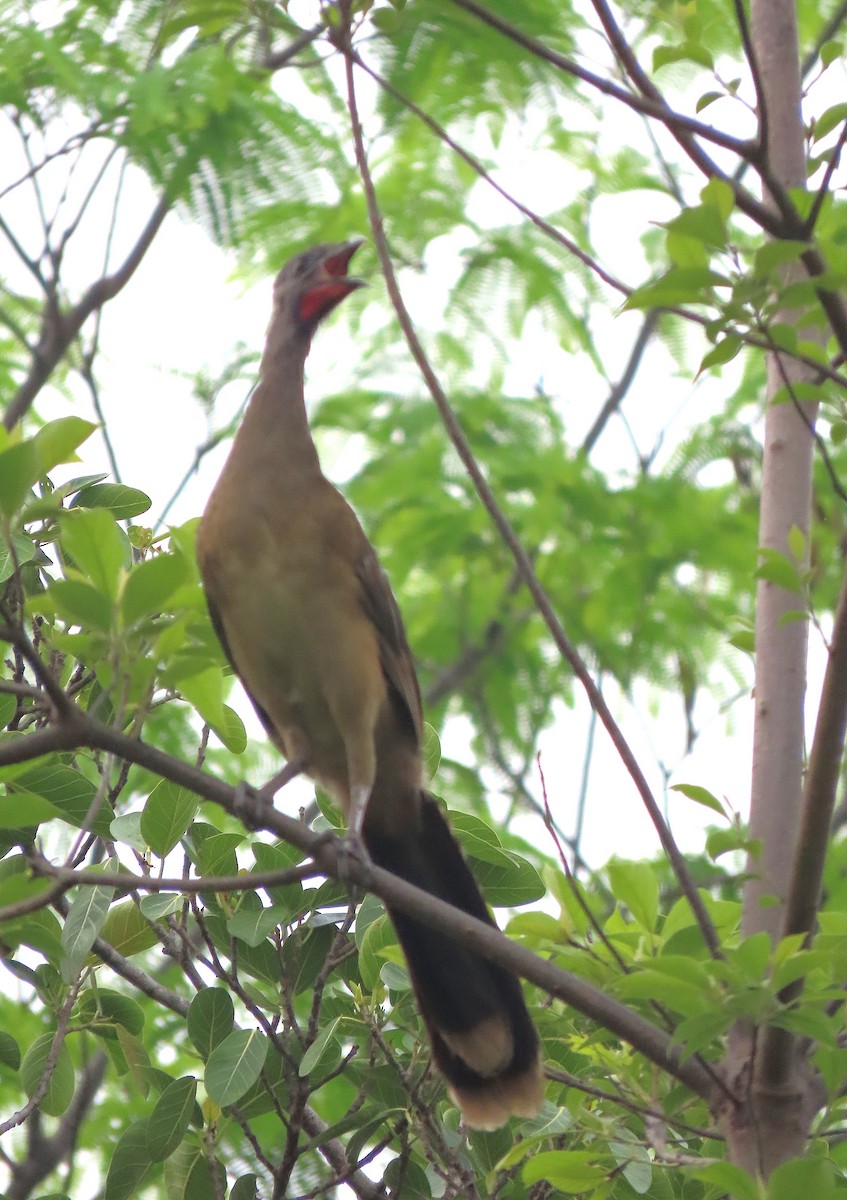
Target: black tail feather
(459, 991)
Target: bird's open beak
(333, 283)
(337, 263)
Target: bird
(307, 618)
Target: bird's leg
(352, 848)
(290, 771)
(250, 801)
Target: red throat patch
(322, 298)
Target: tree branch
(476, 166)
(50, 1061)
(818, 806)
(79, 730)
(59, 329)
(652, 105)
(620, 389)
(45, 1154)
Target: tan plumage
(308, 619)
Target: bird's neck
(274, 434)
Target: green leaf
(279, 858)
(830, 119)
(304, 953)
(217, 854)
(157, 907)
(702, 223)
(774, 254)
(700, 795)
(378, 936)
(731, 1178)
(20, 467)
(234, 1065)
(167, 814)
(79, 603)
(126, 930)
(210, 1019)
(22, 808)
(682, 285)
(130, 1163)
(725, 841)
(780, 569)
(253, 925)
(571, 1171)
(189, 1173)
(60, 1089)
(706, 99)
(123, 502)
(150, 585)
(685, 52)
(635, 885)
(797, 543)
(57, 441)
(21, 549)
(831, 51)
(83, 923)
(686, 997)
(744, 639)
(68, 790)
(110, 1009)
(386, 20)
(205, 692)
(753, 955)
(10, 1051)
(127, 829)
(322, 1046)
(803, 1177)
(170, 1118)
(98, 547)
(719, 194)
(511, 881)
(725, 350)
(245, 1188)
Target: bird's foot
(250, 805)
(351, 853)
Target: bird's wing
(381, 607)
(218, 626)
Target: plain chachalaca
(309, 622)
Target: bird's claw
(250, 804)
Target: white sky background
(183, 311)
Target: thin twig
(60, 329)
(619, 390)
(823, 191)
(280, 58)
(643, 1110)
(477, 167)
(652, 105)
(753, 62)
(127, 881)
(15, 634)
(50, 1062)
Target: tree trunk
(777, 1088)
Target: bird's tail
(483, 1040)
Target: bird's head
(310, 285)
